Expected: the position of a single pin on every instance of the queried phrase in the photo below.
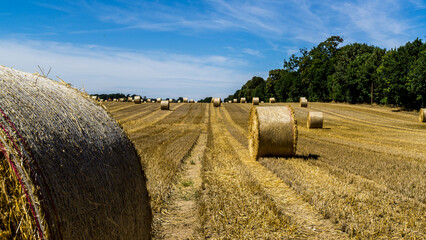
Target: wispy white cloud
(103, 69)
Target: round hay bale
(95, 98)
(185, 100)
(272, 132)
(149, 100)
(216, 102)
(315, 120)
(191, 100)
(70, 171)
(271, 100)
(114, 100)
(422, 115)
(255, 101)
(137, 99)
(165, 105)
(235, 100)
(303, 102)
(229, 101)
(121, 99)
(129, 99)
(262, 102)
(178, 101)
(159, 100)
(243, 100)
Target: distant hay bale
(255, 101)
(191, 100)
(315, 120)
(121, 99)
(229, 101)
(138, 99)
(178, 101)
(271, 100)
(114, 100)
(303, 102)
(144, 101)
(243, 100)
(95, 97)
(216, 102)
(185, 99)
(159, 100)
(70, 171)
(422, 116)
(149, 100)
(235, 100)
(272, 132)
(165, 105)
(262, 102)
(129, 99)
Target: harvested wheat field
(360, 176)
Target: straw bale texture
(191, 100)
(315, 120)
(165, 105)
(243, 100)
(255, 101)
(78, 173)
(272, 131)
(138, 99)
(216, 102)
(271, 100)
(422, 116)
(235, 100)
(303, 102)
(185, 100)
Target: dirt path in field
(180, 220)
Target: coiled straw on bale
(315, 120)
(271, 100)
(68, 169)
(165, 105)
(138, 99)
(422, 116)
(272, 132)
(185, 100)
(303, 102)
(255, 101)
(216, 102)
(243, 100)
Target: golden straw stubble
(216, 102)
(315, 120)
(255, 101)
(272, 132)
(422, 116)
(165, 105)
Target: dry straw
(149, 100)
(191, 101)
(422, 116)
(129, 99)
(165, 105)
(235, 100)
(271, 100)
(229, 101)
(272, 132)
(159, 100)
(303, 102)
(243, 100)
(315, 120)
(216, 102)
(262, 102)
(185, 100)
(95, 97)
(138, 99)
(76, 174)
(255, 101)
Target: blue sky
(187, 48)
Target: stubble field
(361, 176)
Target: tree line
(354, 73)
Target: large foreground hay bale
(68, 169)
(271, 100)
(138, 99)
(303, 102)
(243, 100)
(315, 120)
(255, 101)
(185, 100)
(165, 105)
(272, 132)
(422, 116)
(216, 102)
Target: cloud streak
(116, 70)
